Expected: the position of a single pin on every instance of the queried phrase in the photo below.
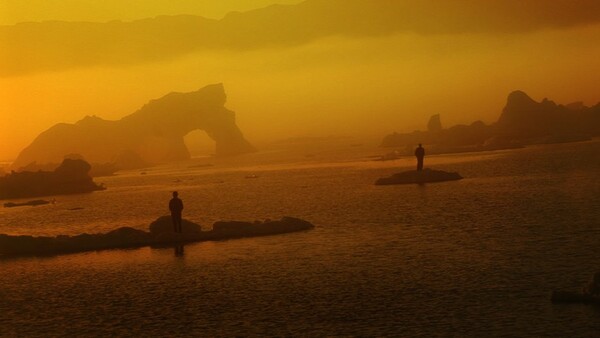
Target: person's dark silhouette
(176, 208)
(420, 154)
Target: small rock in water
(30, 203)
(419, 177)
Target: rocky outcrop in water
(523, 121)
(164, 225)
(33, 203)
(435, 124)
(419, 177)
(589, 295)
(71, 177)
(574, 297)
(154, 134)
(160, 234)
(97, 170)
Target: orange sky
(312, 77)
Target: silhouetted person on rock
(176, 207)
(420, 154)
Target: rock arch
(153, 134)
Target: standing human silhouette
(176, 208)
(420, 154)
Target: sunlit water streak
(477, 257)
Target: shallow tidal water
(471, 258)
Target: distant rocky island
(523, 121)
(154, 134)
(97, 169)
(33, 203)
(71, 177)
(160, 234)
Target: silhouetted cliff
(153, 134)
(71, 177)
(523, 121)
(527, 120)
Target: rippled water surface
(476, 257)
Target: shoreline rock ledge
(567, 297)
(160, 234)
(419, 177)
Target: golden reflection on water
(476, 257)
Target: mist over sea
(477, 257)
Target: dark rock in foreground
(71, 177)
(574, 297)
(419, 177)
(161, 234)
(164, 224)
(589, 295)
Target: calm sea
(474, 258)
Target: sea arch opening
(199, 144)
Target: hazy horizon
(348, 79)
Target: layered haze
(320, 67)
(15, 11)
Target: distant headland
(523, 121)
(154, 134)
(71, 177)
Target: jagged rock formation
(71, 177)
(435, 124)
(419, 177)
(161, 233)
(459, 138)
(523, 121)
(154, 134)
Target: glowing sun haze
(314, 68)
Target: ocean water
(471, 258)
